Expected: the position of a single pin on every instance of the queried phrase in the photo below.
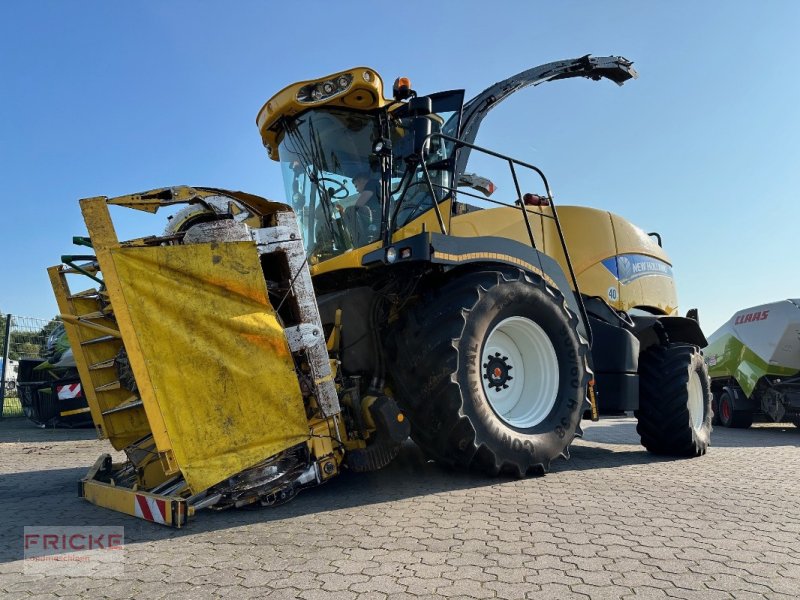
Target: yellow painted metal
(365, 93)
(427, 221)
(352, 259)
(144, 457)
(213, 366)
(91, 347)
(123, 499)
(323, 432)
(349, 260)
(83, 321)
(592, 236)
(502, 222)
(151, 200)
(76, 411)
(335, 338)
(115, 498)
(151, 474)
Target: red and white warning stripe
(151, 509)
(69, 391)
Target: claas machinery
(754, 363)
(256, 348)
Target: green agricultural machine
(754, 364)
(50, 389)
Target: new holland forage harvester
(257, 348)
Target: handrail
(520, 204)
(71, 261)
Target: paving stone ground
(613, 522)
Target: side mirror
(482, 184)
(419, 109)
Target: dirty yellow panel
(209, 356)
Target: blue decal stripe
(611, 265)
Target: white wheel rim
(695, 402)
(524, 394)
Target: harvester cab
(257, 348)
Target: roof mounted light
(401, 90)
(324, 90)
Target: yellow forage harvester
(257, 348)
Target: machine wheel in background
(730, 417)
(674, 401)
(715, 419)
(492, 372)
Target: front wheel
(492, 372)
(674, 401)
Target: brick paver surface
(613, 522)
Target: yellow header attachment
(360, 88)
(216, 390)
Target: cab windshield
(333, 178)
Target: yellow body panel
(502, 222)
(427, 221)
(352, 259)
(203, 309)
(592, 236)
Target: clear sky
(109, 98)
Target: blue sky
(107, 98)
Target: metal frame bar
(520, 206)
(6, 353)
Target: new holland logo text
(750, 317)
(627, 267)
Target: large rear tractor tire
(730, 417)
(674, 401)
(492, 373)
